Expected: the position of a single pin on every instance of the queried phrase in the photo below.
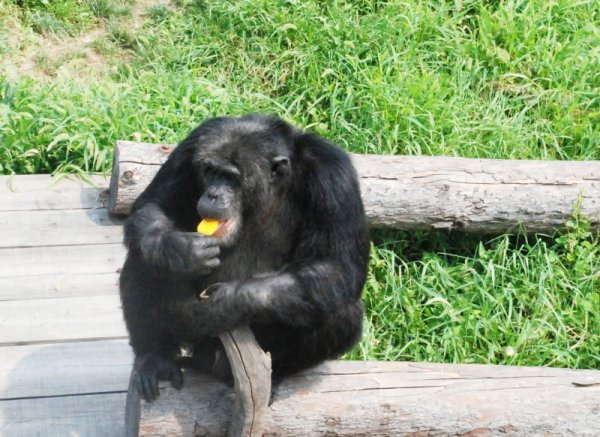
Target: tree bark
(435, 192)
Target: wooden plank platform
(64, 357)
(65, 361)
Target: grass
(55, 17)
(110, 8)
(507, 79)
(520, 301)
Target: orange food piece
(208, 226)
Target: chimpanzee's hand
(150, 369)
(183, 252)
(190, 252)
(216, 309)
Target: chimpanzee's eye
(208, 167)
(231, 178)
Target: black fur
(293, 271)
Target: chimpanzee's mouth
(226, 230)
(222, 229)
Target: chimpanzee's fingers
(177, 378)
(204, 241)
(149, 392)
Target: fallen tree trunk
(345, 398)
(419, 192)
(350, 398)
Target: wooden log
(345, 398)
(420, 192)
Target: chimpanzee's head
(243, 169)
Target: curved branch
(251, 368)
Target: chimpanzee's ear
(280, 166)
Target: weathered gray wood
(59, 227)
(189, 412)
(132, 408)
(44, 192)
(419, 192)
(73, 318)
(59, 369)
(133, 162)
(251, 369)
(89, 415)
(51, 286)
(37, 211)
(395, 398)
(59, 260)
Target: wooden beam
(59, 228)
(44, 192)
(99, 414)
(58, 260)
(427, 192)
(52, 286)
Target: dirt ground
(45, 57)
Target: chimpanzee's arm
(331, 256)
(151, 234)
(301, 297)
(161, 227)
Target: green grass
(520, 301)
(55, 17)
(62, 17)
(110, 8)
(502, 79)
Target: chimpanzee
(288, 258)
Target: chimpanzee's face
(240, 177)
(221, 198)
